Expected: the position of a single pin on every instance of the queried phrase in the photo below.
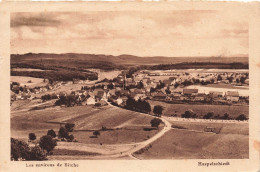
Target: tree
(96, 133)
(130, 103)
(241, 117)
(226, 116)
(176, 85)
(140, 85)
(152, 90)
(32, 136)
(242, 79)
(37, 154)
(51, 133)
(47, 143)
(230, 79)
(157, 110)
(189, 114)
(209, 115)
(219, 78)
(237, 80)
(155, 122)
(168, 91)
(147, 106)
(70, 138)
(63, 133)
(69, 127)
(19, 150)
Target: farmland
(201, 110)
(28, 81)
(121, 132)
(232, 142)
(122, 126)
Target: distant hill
(94, 60)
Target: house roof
(190, 91)
(159, 95)
(100, 94)
(232, 93)
(138, 91)
(215, 92)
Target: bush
(242, 117)
(155, 122)
(32, 136)
(97, 104)
(63, 133)
(19, 150)
(37, 154)
(189, 114)
(178, 127)
(47, 143)
(226, 116)
(69, 127)
(70, 138)
(158, 110)
(104, 128)
(209, 115)
(96, 133)
(51, 133)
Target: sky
(142, 33)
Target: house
(102, 102)
(125, 92)
(91, 101)
(199, 98)
(139, 96)
(232, 96)
(176, 96)
(119, 101)
(91, 94)
(247, 81)
(112, 92)
(189, 92)
(169, 82)
(159, 96)
(13, 96)
(215, 94)
(100, 95)
(139, 91)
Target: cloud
(40, 19)
(169, 33)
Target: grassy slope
(183, 144)
(201, 110)
(86, 118)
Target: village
(146, 85)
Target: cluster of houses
(24, 92)
(210, 77)
(144, 85)
(119, 95)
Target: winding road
(140, 145)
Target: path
(143, 144)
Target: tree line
(211, 115)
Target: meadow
(231, 143)
(201, 110)
(122, 126)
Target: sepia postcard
(130, 86)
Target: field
(26, 69)
(192, 143)
(229, 86)
(123, 126)
(206, 89)
(201, 110)
(23, 80)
